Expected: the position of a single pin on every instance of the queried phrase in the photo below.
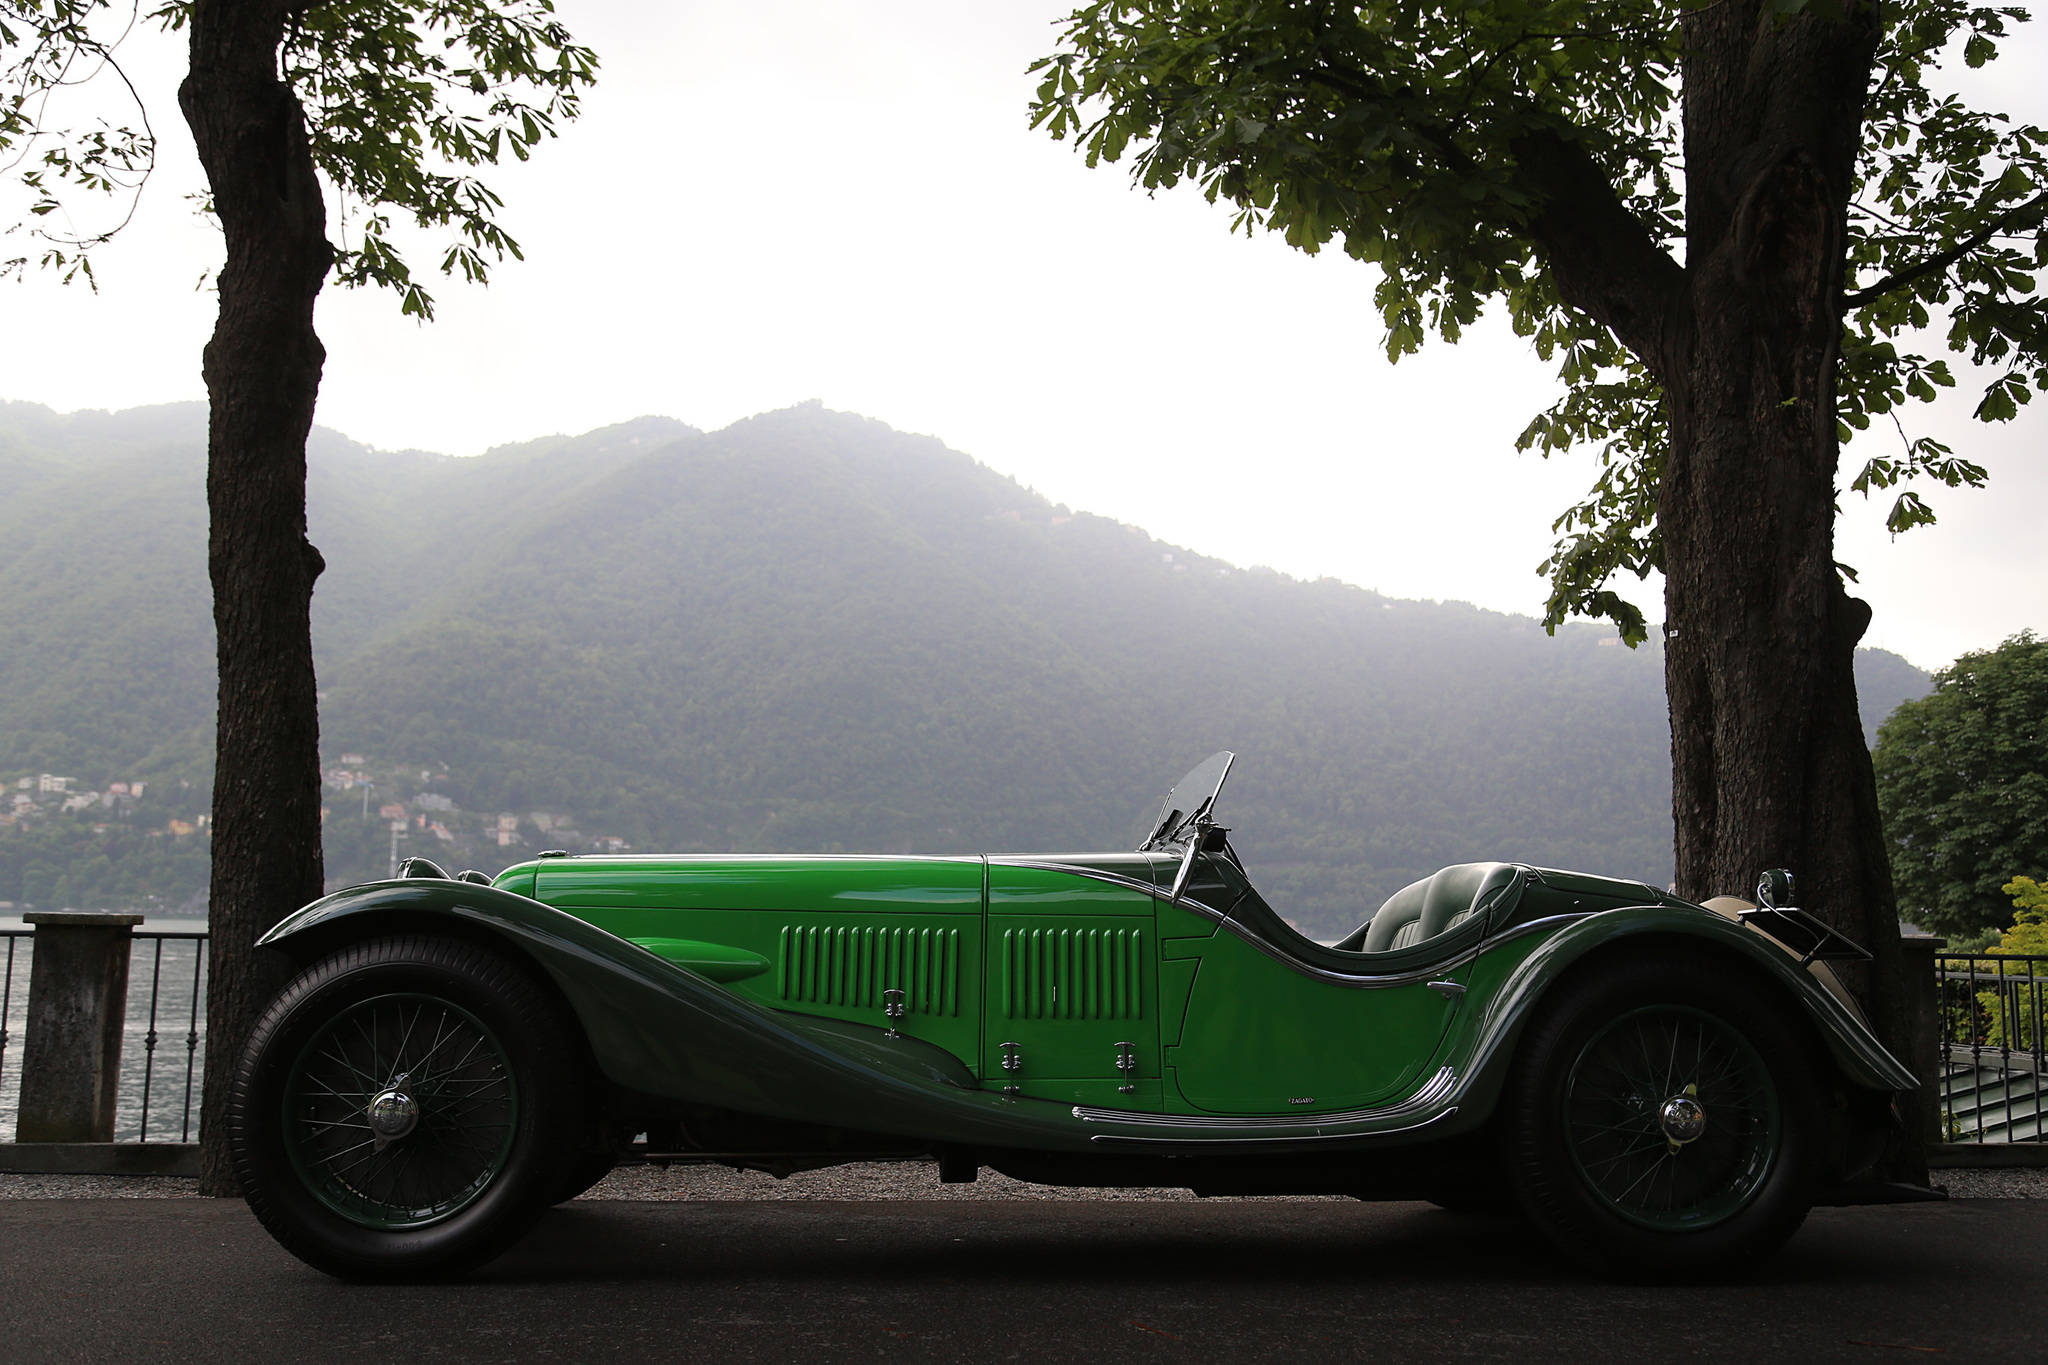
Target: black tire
(470, 1066)
(1595, 1119)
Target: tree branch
(1605, 262)
(2037, 208)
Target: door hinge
(1127, 1062)
(1013, 1060)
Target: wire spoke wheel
(400, 1111)
(1671, 1118)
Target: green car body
(1089, 1019)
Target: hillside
(804, 632)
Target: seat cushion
(1455, 893)
(1421, 910)
(1401, 910)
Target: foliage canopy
(2028, 934)
(1409, 132)
(404, 101)
(1962, 779)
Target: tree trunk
(262, 371)
(1769, 767)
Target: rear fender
(1861, 1058)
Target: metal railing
(1990, 1011)
(160, 1080)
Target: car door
(1072, 991)
(1263, 1035)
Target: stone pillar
(77, 1008)
(1923, 1031)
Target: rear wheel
(1661, 1123)
(405, 1109)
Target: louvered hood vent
(851, 967)
(1072, 973)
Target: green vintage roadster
(1664, 1088)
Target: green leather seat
(1422, 910)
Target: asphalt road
(173, 1280)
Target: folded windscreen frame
(1192, 799)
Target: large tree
(1719, 218)
(1962, 777)
(389, 104)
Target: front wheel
(1660, 1122)
(404, 1109)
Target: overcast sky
(770, 201)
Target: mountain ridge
(805, 631)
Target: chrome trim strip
(1356, 980)
(1437, 1087)
(1361, 980)
(1095, 874)
(1217, 1143)
(1536, 926)
(1366, 981)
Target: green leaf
(1391, 130)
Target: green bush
(1962, 779)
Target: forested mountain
(804, 632)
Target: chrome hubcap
(393, 1113)
(1683, 1119)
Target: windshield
(1191, 799)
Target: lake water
(162, 972)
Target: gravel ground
(2015, 1182)
(871, 1181)
(97, 1187)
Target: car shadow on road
(1179, 1244)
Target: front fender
(662, 1029)
(1490, 1044)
